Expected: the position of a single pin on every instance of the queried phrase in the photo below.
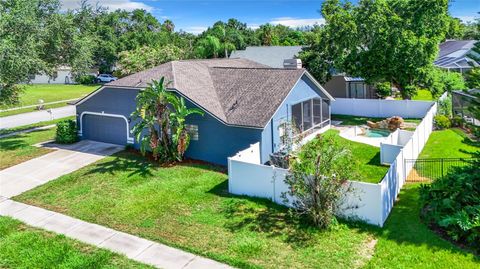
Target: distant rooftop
(454, 54)
(272, 56)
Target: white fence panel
(250, 179)
(380, 108)
(389, 152)
(363, 203)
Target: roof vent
(292, 64)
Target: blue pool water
(376, 133)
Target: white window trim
(130, 139)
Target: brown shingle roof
(236, 91)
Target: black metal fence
(426, 170)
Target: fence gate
(426, 170)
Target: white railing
(369, 202)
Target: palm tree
(153, 115)
(181, 138)
(162, 115)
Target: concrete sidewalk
(35, 117)
(133, 247)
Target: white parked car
(104, 78)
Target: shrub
(445, 106)
(458, 121)
(442, 122)
(452, 203)
(66, 132)
(383, 89)
(85, 79)
(318, 180)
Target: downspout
(271, 128)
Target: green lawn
(358, 120)
(450, 143)
(405, 242)
(48, 93)
(188, 206)
(366, 157)
(19, 148)
(422, 95)
(22, 246)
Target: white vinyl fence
(369, 202)
(380, 108)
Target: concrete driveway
(66, 159)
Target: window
(356, 90)
(192, 130)
(297, 116)
(309, 114)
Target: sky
(195, 16)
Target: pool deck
(348, 132)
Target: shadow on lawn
(12, 143)
(404, 225)
(263, 216)
(124, 162)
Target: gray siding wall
(336, 86)
(304, 90)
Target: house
(462, 101)
(62, 75)
(244, 103)
(456, 55)
(340, 86)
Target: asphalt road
(35, 117)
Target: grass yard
(19, 148)
(358, 120)
(405, 242)
(422, 95)
(188, 206)
(449, 143)
(23, 246)
(366, 157)
(48, 93)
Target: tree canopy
(380, 40)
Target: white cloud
(195, 29)
(295, 22)
(110, 4)
(466, 19)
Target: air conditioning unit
(292, 64)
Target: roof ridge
(260, 68)
(224, 115)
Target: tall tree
(35, 38)
(380, 40)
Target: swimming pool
(376, 133)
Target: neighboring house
(244, 103)
(62, 75)
(461, 103)
(273, 56)
(340, 86)
(455, 55)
